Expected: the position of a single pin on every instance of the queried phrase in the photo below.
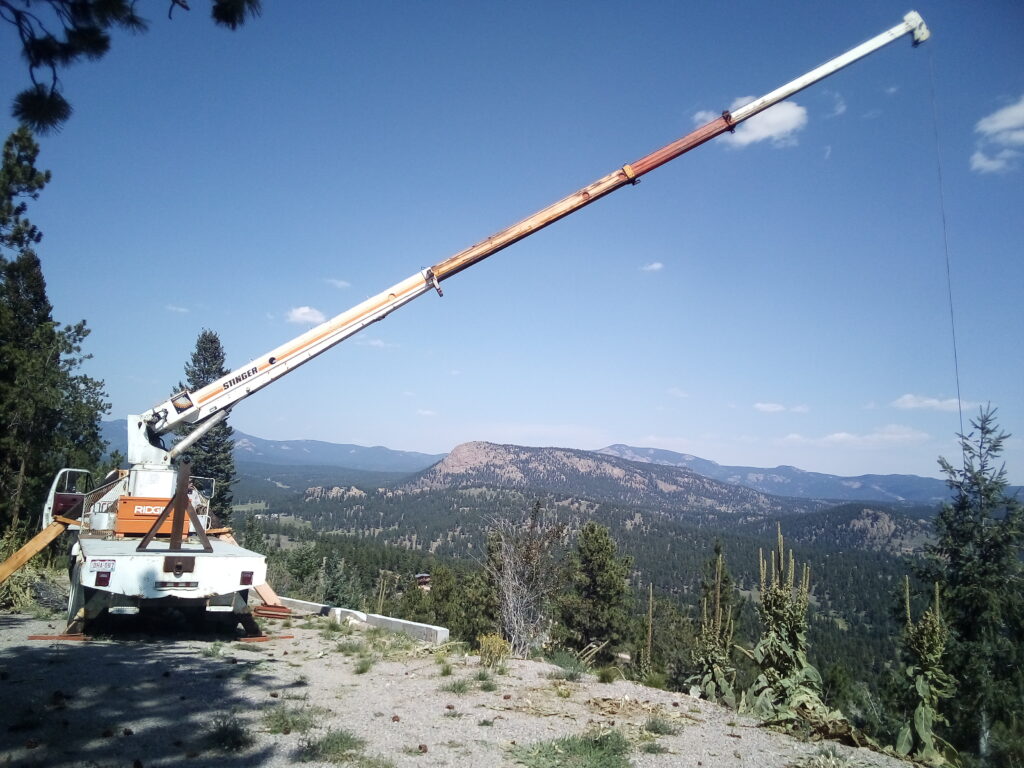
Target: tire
(78, 596)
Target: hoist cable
(945, 237)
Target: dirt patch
(363, 698)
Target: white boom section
(912, 24)
(193, 407)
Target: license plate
(102, 565)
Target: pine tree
(49, 410)
(212, 456)
(596, 607)
(58, 33)
(976, 561)
(464, 602)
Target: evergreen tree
(976, 561)
(212, 455)
(596, 607)
(58, 33)
(464, 602)
(49, 410)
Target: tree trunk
(984, 732)
(16, 496)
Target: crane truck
(141, 539)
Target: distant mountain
(302, 452)
(798, 483)
(599, 478)
(780, 481)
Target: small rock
(395, 718)
(128, 732)
(507, 696)
(274, 694)
(423, 747)
(107, 733)
(675, 703)
(449, 706)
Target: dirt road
(330, 695)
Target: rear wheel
(77, 598)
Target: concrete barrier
(426, 632)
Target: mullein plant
(924, 642)
(787, 692)
(712, 653)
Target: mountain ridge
(782, 480)
(785, 480)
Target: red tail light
(103, 578)
(246, 579)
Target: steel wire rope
(945, 242)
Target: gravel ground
(143, 700)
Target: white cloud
(654, 266)
(828, 151)
(919, 402)
(839, 105)
(890, 434)
(425, 412)
(175, 308)
(779, 408)
(676, 392)
(375, 343)
(1003, 160)
(998, 135)
(305, 316)
(338, 283)
(777, 124)
(892, 90)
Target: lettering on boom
(240, 378)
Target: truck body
(175, 562)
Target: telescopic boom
(221, 395)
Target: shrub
(228, 733)
(660, 726)
(494, 649)
(589, 750)
(285, 719)
(335, 746)
(456, 686)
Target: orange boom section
(136, 514)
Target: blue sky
(776, 299)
